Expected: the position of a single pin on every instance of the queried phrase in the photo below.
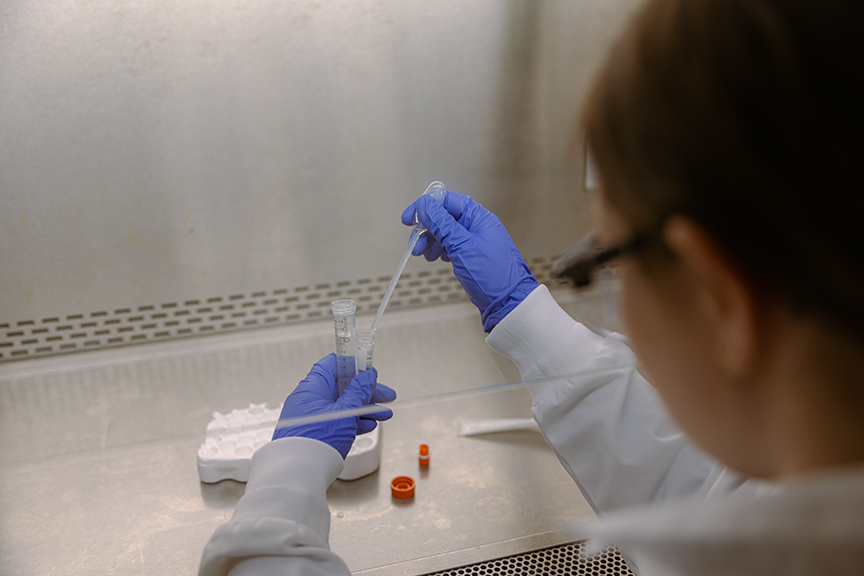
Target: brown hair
(745, 115)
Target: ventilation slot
(567, 559)
(154, 322)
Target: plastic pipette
(436, 190)
(489, 425)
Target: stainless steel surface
(428, 285)
(98, 471)
(478, 491)
(564, 559)
(158, 152)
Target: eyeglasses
(580, 263)
(590, 268)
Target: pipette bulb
(437, 190)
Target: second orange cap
(402, 487)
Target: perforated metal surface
(125, 326)
(565, 559)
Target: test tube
(365, 344)
(346, 342)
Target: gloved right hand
(485, 260)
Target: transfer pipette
(472, 427)
(436, 190)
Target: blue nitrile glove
(318, 393)
(485, 260)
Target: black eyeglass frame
(580, 271)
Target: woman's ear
(724, 295)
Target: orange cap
(402, 487)
(424, 455)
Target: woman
(728, 137)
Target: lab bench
(98, 461)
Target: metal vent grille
(567, 559)
(125, 326)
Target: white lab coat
(613, 436)
(616, 440)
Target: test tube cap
(402, 487)
(423, 456)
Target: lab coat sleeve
(282, 523)
(608, 428)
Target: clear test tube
(346, 342)
(365, 345)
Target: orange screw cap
(402, 487)
(424, 455)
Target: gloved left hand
(318, 393)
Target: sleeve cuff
(543, 340)
(295, 462)
(289, 480)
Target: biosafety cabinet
(187, 186)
